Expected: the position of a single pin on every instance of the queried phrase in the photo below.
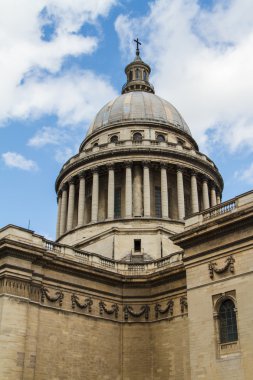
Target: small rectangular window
(137, 245)
(117, 203)
(158, 206)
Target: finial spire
(137, 46)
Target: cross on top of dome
(137, 46)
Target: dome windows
(137, 137)
(114, 139)
(144, 75)
(137, 74)
(160, 138)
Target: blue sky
(62, 60)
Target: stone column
(164, 192)
(64, 205)
(213, 197)
(137, 190)
(59, 214)
(111, 192)
(194, 193)
(95, 194)
(81, 200)
(206, 203)
(146, 189)
(180, 193)
(128, 190)
(71, 204)
(218, 199)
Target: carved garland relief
(228, 266)
(57, 296)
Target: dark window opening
(137, 73)
(137, 245)
(180, 142)
(160, 138)
(130, 75)
(227, 322)
(137, 137)
(117, 203)
(96, 144)
(114, 139)
(158, 203)
(144, 75)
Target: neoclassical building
(150, 273)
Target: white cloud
(48, 135)
(246, 175)
(32, 54)
(15, 160)
(63, 154)
(74, 96)
(203, 62)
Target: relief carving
(168, 309)
(229, 265)
(87, 302)
(103, 309)
(183, 304)
(57, 297)
(128, 310)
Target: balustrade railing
(223, 208)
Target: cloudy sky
(62, 60)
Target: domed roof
(138, 106)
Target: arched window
(227, 322)
(114, 139)
(137, 136)
(160, 138)
(137, 74)
(180, 142)
(95, 144)
(130, 75)
(144, 75)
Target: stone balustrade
(219, 210)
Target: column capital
(94, 170)
(128, 164)
(146, 163)
(64, 186)
(180, 168)
(72, 181)
(163, 165)
(194, 172)
(81, 175)
(110, 166)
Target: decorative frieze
(37, 293)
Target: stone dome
(138, 106)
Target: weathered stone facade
(133, 287)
